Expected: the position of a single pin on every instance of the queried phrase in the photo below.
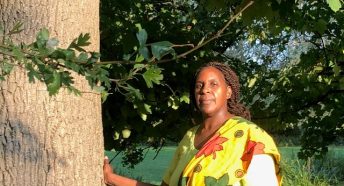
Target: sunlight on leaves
(335, 5)
(152, 75)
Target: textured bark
(50, 140)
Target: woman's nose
(205, 89)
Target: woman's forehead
(209, 72)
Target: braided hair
(232, 80)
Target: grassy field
(151, 170)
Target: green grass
(149, 170)
(296, 172)
(324, 172)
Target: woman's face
(211, 91)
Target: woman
(225, 149)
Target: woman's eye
(198, 86)
(213, 84)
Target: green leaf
(254, 99)
(66, 78)
(268, 100)
(214, 4)
(173, 102)
(143, 109)
(336, 69)
(143, 116)
(256, 11)
(152, 75)
(142, 37)
(32, 74)
(147, 108)
(139, 66)
(18, 54)
(52, 43)
(144, 52)
(252, 81)
(17, 28)
(126, 57)
(43, 35)
(318, 68)
(321, 26)
(162, 48)
(41, 38)
(55, 84)
(133, 93)
(71, 65)
(341, 83)
(139, 58)
(92, 60)
(185, 98)
(73, 90)
(82, 58)
(138, 25)
(7, 68)
(81, 41)
(335, 5)
(99, 88)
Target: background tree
(305, 93)
(275, 81)
(155, 105)
(47, 140)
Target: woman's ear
(229, 92)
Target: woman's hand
(107, 170)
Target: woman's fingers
(107, 167)
(106, 160)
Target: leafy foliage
(47, 63)
(290, 64)
(141, 32)
(289, 56)
(304, 92)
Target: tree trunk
(50, 140)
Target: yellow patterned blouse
(224, 159)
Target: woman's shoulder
(189, 135)
(254, 132)
(193, 129)
(248, 125)
(242, 122)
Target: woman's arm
(261, 171)
(114, 179)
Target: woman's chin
(207, 111)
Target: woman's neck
(216, 121)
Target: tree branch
(216, 36)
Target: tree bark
(50, 140)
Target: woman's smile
(206, 101)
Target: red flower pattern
(252, 148)
(214, 144)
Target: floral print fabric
(225, 158)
